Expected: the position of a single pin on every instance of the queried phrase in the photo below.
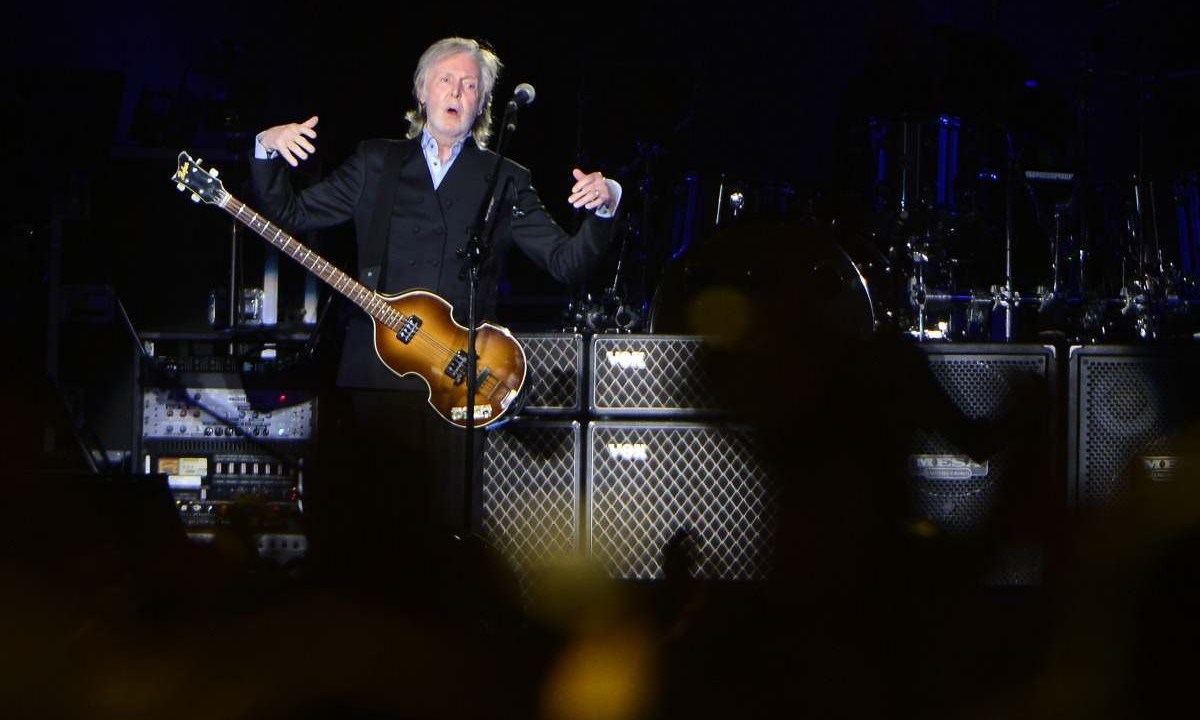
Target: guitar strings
(446, 352)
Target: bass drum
(760, 278)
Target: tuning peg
(195, 198)
(212, 171)
(180, 187)
(198, 161)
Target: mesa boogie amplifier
(650, 375)
(958, 494)
(1128, 409)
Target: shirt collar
(429, 144)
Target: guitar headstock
(203, 182)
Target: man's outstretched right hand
(293, 141)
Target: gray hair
(489, 69)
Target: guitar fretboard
(358, 293)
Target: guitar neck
(359, 294)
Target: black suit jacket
(427, 229)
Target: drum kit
(1001, 251)
(963, 241)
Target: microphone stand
(474, 254)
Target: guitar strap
(381, 219)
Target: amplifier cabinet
(648, 481)
(530, 492)
(554, 373)
(959, 494)
(650, 375)
(1126, 409)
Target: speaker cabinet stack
(645, 464)
(665, 470)
(1127, 408)
(624, 456)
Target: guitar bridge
(408, 330)
(457, 367)
(482, 412)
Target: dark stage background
(666, 97)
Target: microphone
(523, 95)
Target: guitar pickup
(457, 368)
(407, 331)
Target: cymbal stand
(1159, 262)
(1056, 251)
(623, 318)
(918, 294)
(1061, 285)
(1137, 282)
(1004, 298)
(1050, 296)
(1165, 285)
